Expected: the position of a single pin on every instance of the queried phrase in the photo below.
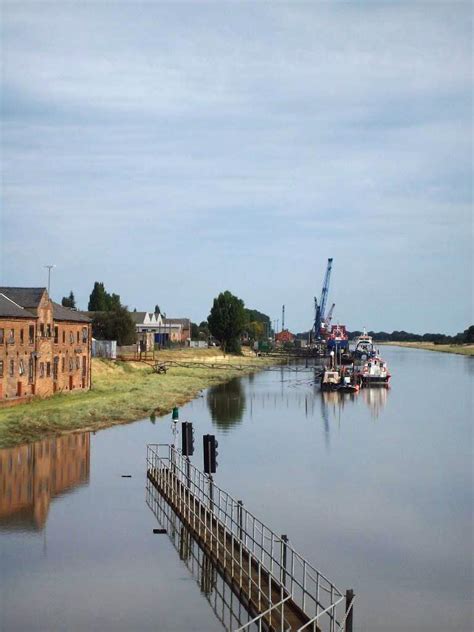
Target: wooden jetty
(279, 588)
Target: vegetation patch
(121, 392)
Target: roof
(24, 296)
(138, 317)
(66, 313)
(177, 321)
(9, 309)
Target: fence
(282, 588)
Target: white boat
(374, 372)
(364, 347)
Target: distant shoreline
(467, 350)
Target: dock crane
(329, 316)
(320, 308)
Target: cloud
(190, 135)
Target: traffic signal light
(187, 438)
(210, 453)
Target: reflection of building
(30, 475)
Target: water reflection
(31, 475)
(212, 583)
(226, 403)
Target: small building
(164, 330)
(284, 336)
(44, 347)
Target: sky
(176, 150)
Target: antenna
(50, 267)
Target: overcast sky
(175, 150)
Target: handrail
(263, 614)
(306, 585)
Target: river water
(374, 489)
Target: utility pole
(50, 267)
(283, 318)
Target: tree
(469, 334)
(227, 321)
(116, 324)
(157, 309)
(101, 301)
(194, 331)
(98, 298)
(69, 301)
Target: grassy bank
(122, 392)
(429, 346)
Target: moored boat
(374, 372)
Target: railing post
(284, 541)
(349, 617)
(240, 505)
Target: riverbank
(467, 350)
(123, 392)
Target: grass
(467, 350)
(122, 392)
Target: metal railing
(256, 558)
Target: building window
(64, 337)
(2, 336)
(56, 334)
(30, 370)
(1, 368)
(55, 368)
(22, 336)
(84, 366)
(31, 334)
(71, 337)
(84, 334)
(78, 337)
(11, 336)
(48, 331)
(63, 364)
(12, 368)
(71, 364)
(42, 330)
(41, 369)
(21, 368)
(78, 363)
(48, 369)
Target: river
(374, 489)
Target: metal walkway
(278, 587)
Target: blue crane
(320, 308)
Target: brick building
(44, 347)
(284, 336)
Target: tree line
(464, 337)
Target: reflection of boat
(364, 347)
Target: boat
(337, 340)
(374, 372)
(343, 380)
(364, 347)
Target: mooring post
(240, 505)
(349, 613)
(284, 541)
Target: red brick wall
(60, 356)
